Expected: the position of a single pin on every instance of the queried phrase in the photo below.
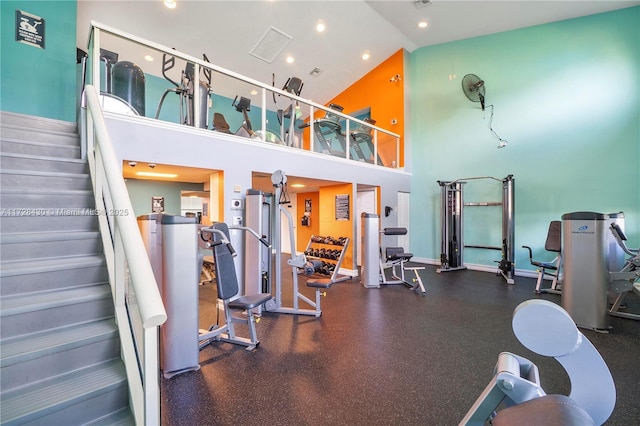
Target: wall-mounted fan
(473, 88)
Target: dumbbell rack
(330, 251)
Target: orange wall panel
(385, 98)
(329, 226)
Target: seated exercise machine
(375, 265)
(265, 212)
(553, 244)
(228, 289)
(627, 280)
(185, 90)
(546, 329)
(298, 262)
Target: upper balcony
(178, 88)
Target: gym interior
(411, 248)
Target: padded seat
(320, 283)
(249, 302)
(548, 410)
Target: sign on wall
(29, 29)
(157, 204)
(342, 207)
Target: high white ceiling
(226, 31)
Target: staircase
(59, 345)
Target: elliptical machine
(294, 86)
(185, 91)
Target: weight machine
(375, 263)
(627, 280)
(264, 212)
(228, 289)
(452, 242)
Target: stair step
(122, 417)
(35, 122)
(22, 276)
(101, 389)
(18, 146)
(83, 220)
(31, 134)
(12, 178)
(16, 202)
(42, 163)
(38, 245)
(61, 350)
(33, 312)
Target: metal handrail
(137, 301)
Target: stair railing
(139, 310)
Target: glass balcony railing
(178, 88)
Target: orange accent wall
(305, 232)
(329, 226)
(385, 98)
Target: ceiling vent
(315, 72)
(419, 4)
(270, 45)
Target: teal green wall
(141, 191)
(566, 99)
(38, 81)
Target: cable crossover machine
(452, 206)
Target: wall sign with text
(29, 29)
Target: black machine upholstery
(228, 289)
(553, 244)
(226, 278)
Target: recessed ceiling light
(423, 24)
(298, 185)
(148, 58)
(154, 174)
(171, 4)
(365, 56)
(254, 92)
(290, 59)
(320, 27)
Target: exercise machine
(298, 262)
(516, 382)
(375, 264)
(243, 106)
(237, 308)
(452, 241)
(293, 85)
(627, 280)
(362, 146)
(552, 268)
(329, 138)
(185, 90)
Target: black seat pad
(250, 301)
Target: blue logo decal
(583, 228)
